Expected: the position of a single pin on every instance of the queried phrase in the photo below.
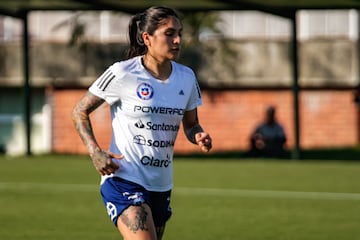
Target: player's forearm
(83, 126)
(81, 119)
(190, 132)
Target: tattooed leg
(136, 223)
(135, 219)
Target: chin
(174, 56)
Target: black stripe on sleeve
(198, 89)
(108, 82)
(103, 77)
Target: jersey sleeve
(108, 85)
(195, 97)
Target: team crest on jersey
(145, 91)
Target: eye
(173, 33)
(170, 33)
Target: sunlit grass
(56, 197)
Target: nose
(177, 39)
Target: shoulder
(279, 126)
(125, 66)
(260, 127)
(185, 71)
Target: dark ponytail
(137, 46)
(148, 21)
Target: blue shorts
(118, 194)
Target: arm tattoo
(137, 220)
(190, 132)
(80, 117)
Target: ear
(146, 38)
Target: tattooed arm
(80, 116)
(194, 131)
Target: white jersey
(146, 115)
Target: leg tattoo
(135, 218)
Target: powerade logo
(145, 91)
(138, 139)
(154, 162)
(159, 110)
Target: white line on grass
(24, 186)
(266, 193)
(47, 186)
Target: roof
(285, 8)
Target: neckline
(141, 61)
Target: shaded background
(243, 60)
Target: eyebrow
(174, 29)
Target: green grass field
(56, 197)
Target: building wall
(257, 65)
(12, 123)
(261, 58)
(328, 119)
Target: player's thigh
(136, 223)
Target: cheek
(164, 44)
(166, 40)
(160, 42)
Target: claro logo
(159, 110)
(154, 162)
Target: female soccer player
(149, 96)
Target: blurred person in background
(269, 138)
(149, 96)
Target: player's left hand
(203, 139)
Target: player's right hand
(103, 162)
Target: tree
(203, 42)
